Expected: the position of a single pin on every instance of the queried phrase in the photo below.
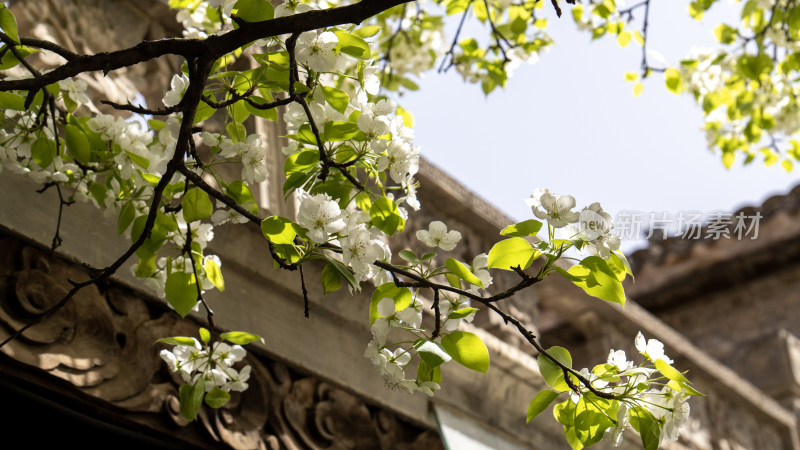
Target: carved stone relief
(102, 342)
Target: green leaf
(78, 144)
(43, 151)
(669, 371)
(196, 205)
(126, 216)
(432, 353)
(409, 256)
(181, 292)
(345, 272)
(9, 23)
(385, 216)
(352, 45)
(239, 191)
(461, 313)
(236, 131)
(141, 161)
(467, 349)
(217, 398)
(192, 398)
(512, 253)
(254, 10)
(178, 340)
(331, 281)
(539, 403)
(598, 280)
(592, 418)
(462, 271)
(340, 131)
(288, 252)
(672, 78)
(205, 336)
(239, 111)
(624, 38)
(678, 386)
(725, 33)
(523, 229)
(402, 299)
(240, 337)
(425, 373)
(279, 230)
(146, 267)
(336, 98)
(647, 425)
(9, 100)
(214, 274)
(150, 178)
(553, 374)
(301, 161)
(10, 60)
(204, 111)
(367, 31)
(453, 280)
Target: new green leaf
(512, 253)
(539, 403)
(196, 205)
(467, 349)
(462, 271)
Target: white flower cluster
(212, 364)
(633, 384)
(392, 359)
(251, 152)
(361, 244)
(594, 226)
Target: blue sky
(570, 123)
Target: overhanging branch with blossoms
(351, 163)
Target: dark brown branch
(47, 45)
(556, 7)
(211, 48)
(305, 293)
(138, 109)
(235, 97)
(198, 78)
(187, 251)
(437, 324)
(449, 54)
(198, 181)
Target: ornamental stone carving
(102, 343)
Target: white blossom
(321, 215)
(557, 209)
(178, 86)
(437, 236)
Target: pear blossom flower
(386, 307)
(480, 266)
(359, 251)
(316, 50)
(619, 360)
(75, 89)
(623, 422)
(321, 215)
(291, 7)
(652, 348)
(178, 86)
(557, 208)
(238, 382)
(437, 236)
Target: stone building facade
(726, 310)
